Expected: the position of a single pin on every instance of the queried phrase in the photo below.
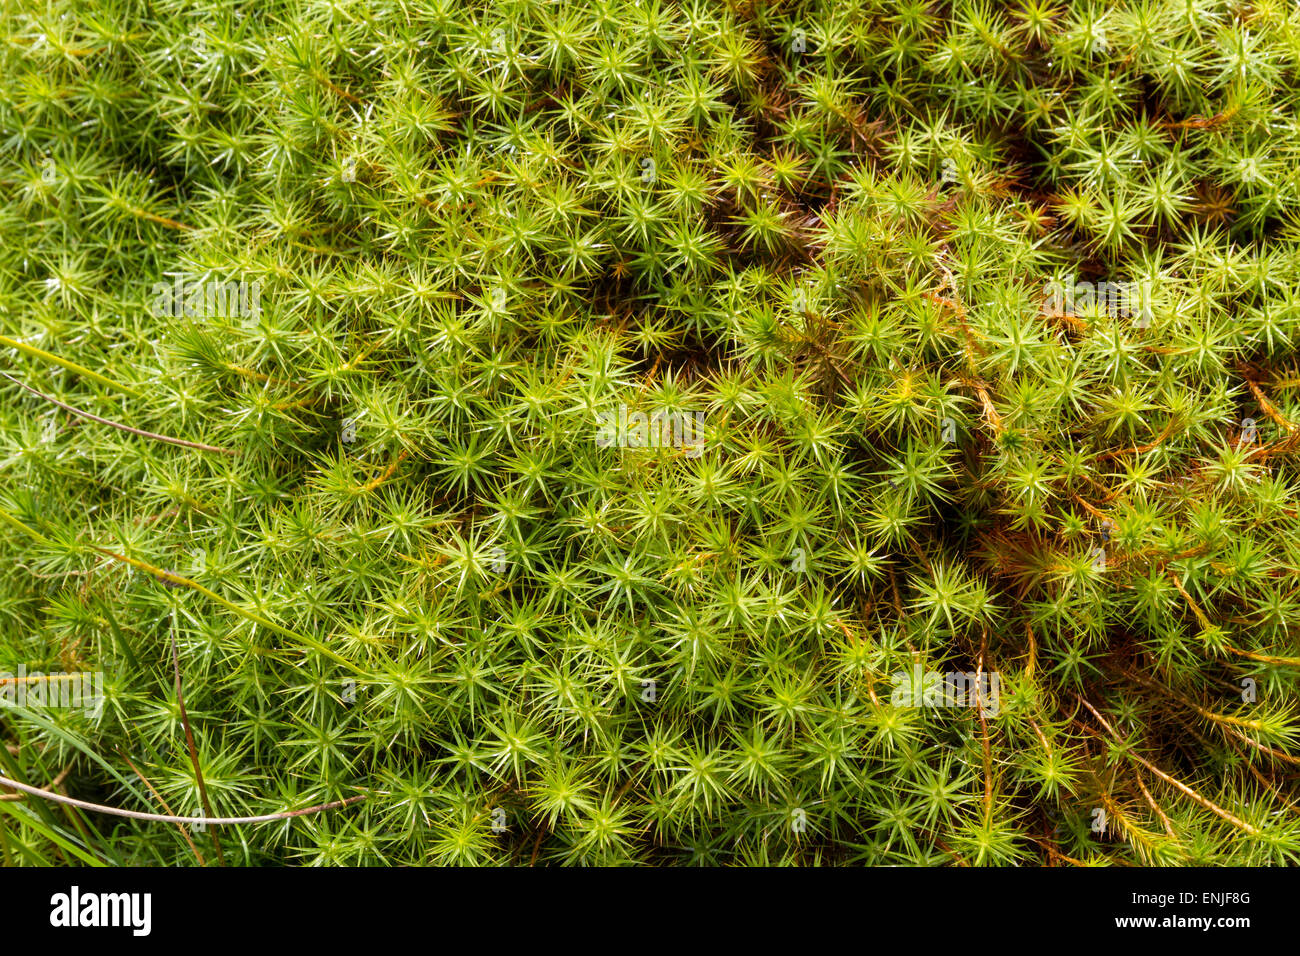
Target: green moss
(627, 406)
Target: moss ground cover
(640, 432)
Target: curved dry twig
(118, 425)
(167, 818)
